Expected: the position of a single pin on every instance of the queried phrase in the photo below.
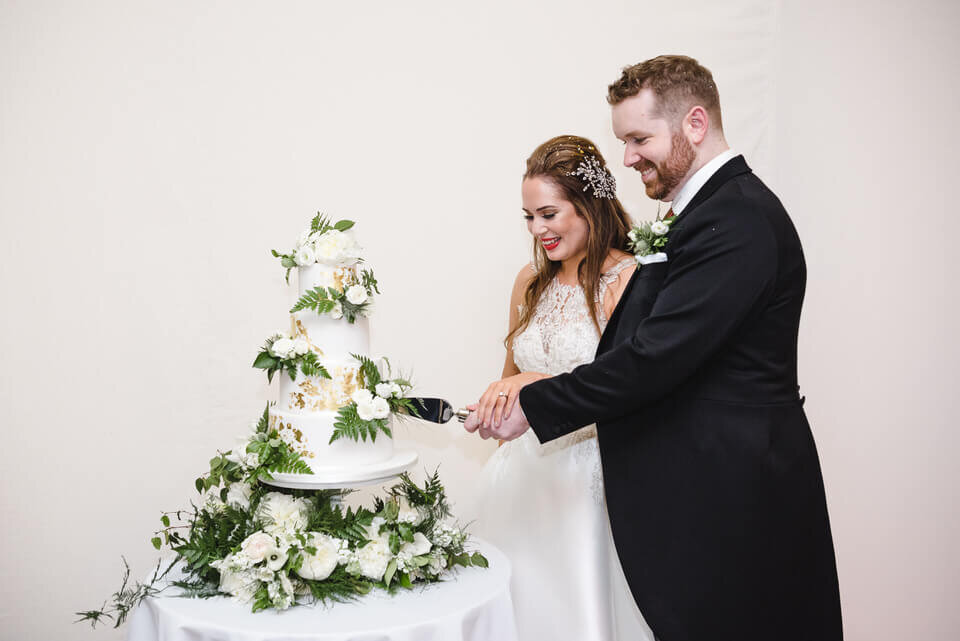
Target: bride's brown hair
(607, 222)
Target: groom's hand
(511, 426)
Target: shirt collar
(698, 180)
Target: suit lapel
(736, 166)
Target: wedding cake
(335, 403)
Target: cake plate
(348, 477)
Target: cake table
(474, 605)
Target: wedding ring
(502, 394)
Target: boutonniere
(648, 239)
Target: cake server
(437, 410)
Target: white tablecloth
(474, 605)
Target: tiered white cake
(335, 416)
(307, 406)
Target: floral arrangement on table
(650, 237)
(276, 548)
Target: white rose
(356, 294)
(420, 546)
(281, 513)
(282, 347)
(305, 255)
(362, 395)
(330, 247)
(366, 411)
(258, 545)
(323, 562)
(374, 557)
(238, 495)
(633, 234)
(396, 390)
(659, 227)
(380, 408)
(384, 389)
(337, 312)
(300, 346)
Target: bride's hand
(501, 396)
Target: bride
(543, 505)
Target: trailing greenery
(274, 548)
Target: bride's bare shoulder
(524, 276)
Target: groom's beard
(672, 170)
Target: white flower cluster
(370, 406)
(286, 347)
(332, 247)
(264, 555)
(445, 535)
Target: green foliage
(350, 425)
(369, 374)
(368, 281)
(319, 299)
(122, 602)
(310, 366)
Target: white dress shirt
(698, 180)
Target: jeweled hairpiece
(596, 176)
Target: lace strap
(606, 279)
(610, 276)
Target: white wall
(151, 155)
(866, 159)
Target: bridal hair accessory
(596, 176)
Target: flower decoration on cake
(323, 243)
(283, 352)
(372, 403)
(349, 299)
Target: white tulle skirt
(543, 506)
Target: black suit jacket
(712, 478)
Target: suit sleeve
(722, 271)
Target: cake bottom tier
(309, 435)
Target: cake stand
(348, 477)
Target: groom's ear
(696, 124)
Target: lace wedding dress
(543, 505)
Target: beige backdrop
(152, 153)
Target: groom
(712, 479)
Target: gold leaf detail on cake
(301, 331)
(296, 400)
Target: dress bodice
(561, 335)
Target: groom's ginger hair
(678, 82)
